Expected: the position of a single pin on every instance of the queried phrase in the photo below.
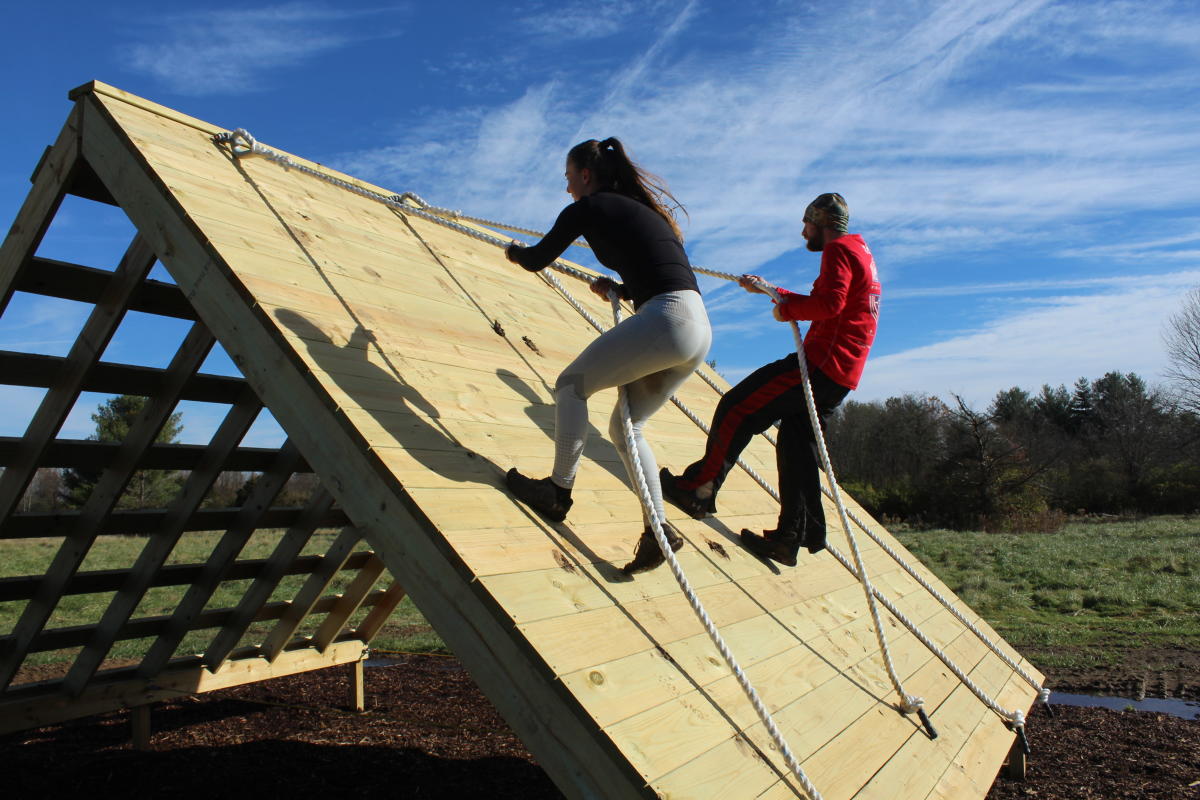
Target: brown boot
(648, 554)
(771, 545)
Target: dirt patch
(429, 733)
(1136, 673)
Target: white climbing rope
(908, 703)
(241, 143)
(643, 491)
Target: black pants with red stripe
(769, 394)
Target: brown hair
(613, 170)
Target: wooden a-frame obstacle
(410, 366)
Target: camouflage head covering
(829, 211)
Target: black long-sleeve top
(628, 237)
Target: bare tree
(1182, 338)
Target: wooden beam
(123, 690)
(49, 185)
(347, 603)
(369, 628)
(334, 560)
(265, 489)
(104, 496)
(86, 350)
(24, 587)
(33, 369)
(93, 455)
(237, 421)
(139, 723)
(47, 524)
(51, 278)
(145, 627)
(259, 592)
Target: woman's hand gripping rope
(606, 288)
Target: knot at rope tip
(240, 142)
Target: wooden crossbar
(36, 525)
(35, 369)
(51, 278)
(160, 625)
(23, 587)
(122, 689)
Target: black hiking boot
(684, 499)
(648, 554)
(771, 545)
(544, 496)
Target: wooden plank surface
(370, 337)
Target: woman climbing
(621, 211)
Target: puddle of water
(1187, 709)
(381, 662)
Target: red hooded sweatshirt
(843, 307)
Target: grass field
(1082, 595)
(1077, 597)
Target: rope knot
(240, 142)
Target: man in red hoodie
(844, 308)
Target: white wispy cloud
(1175, 281)
(941, 153)
(581, 19)
(233, 50)
(1040, 341)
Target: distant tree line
(1107, 446)
(54, 489)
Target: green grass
(1081, 596)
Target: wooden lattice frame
(89, 687)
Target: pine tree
(148, 488)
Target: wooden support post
(139, 721)
(1014, 768)
(358, 689)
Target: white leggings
(651, 354)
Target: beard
(817, 242)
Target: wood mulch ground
(429, 733)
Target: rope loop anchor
(1044, 699)
(1017, 725)
(240, 142)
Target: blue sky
(1027, 173)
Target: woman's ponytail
(613, 170)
